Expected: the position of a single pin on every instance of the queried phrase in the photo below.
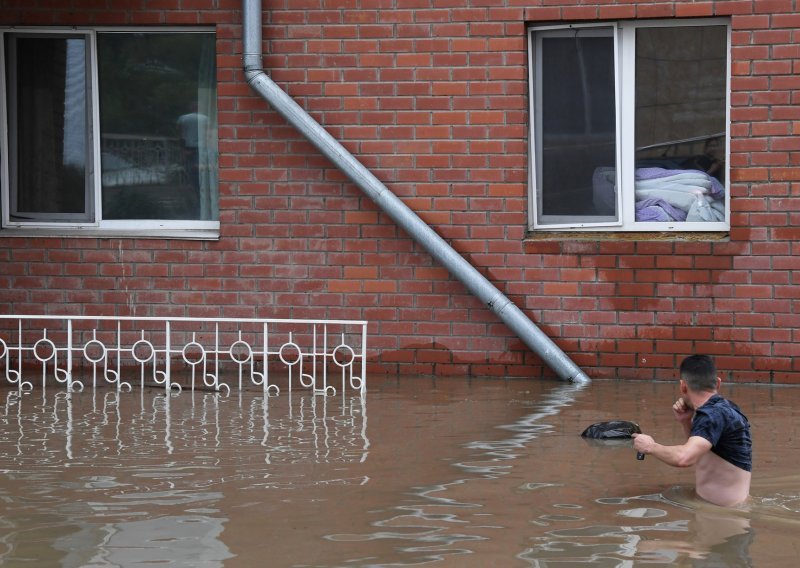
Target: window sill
(183, 234)
(626, 236)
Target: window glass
(48, 128)
(680, 123)
(158, 125)
(629, 126)
(578, 126)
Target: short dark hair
(699, 372)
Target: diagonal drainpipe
(477, 284)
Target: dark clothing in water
(722, 423)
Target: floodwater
(420, 472)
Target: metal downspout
(416, 228)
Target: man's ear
(684, 387)
(719, 382)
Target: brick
(447, 130)
(694, 9)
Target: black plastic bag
(613, 429)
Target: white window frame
(135, 228)
(624, 34)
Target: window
(629, 126)
(109, 131)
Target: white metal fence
(175, 353)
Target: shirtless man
(719, 442)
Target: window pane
(577, 128)
(48, 128)
(680, 123)
(158, 125)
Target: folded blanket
(658, 210)
(665, 195)
(703, 210)
(690, 177)
(677, 197)
(690, 191)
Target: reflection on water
(114, 479)
(447, 473)
(425, 530)
(63, 426)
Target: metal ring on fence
(351, 356)
(45, 342)
(237, 356)
(143, 343)
(184, 353)
(290, 345)
(94, 343)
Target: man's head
(699, 373)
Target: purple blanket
(658, 210)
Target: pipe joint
(252, 62)
(498, 304)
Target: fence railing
(178, 353)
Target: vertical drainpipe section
(416, 228)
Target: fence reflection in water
(107, 478)
(101, 425)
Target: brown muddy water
(419, 473)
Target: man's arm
(684, 455)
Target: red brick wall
(431, 95)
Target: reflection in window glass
(680, 123)
(578, 137)
(158, 137)
(48, 128)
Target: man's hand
(643, 443)
(683, 411)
